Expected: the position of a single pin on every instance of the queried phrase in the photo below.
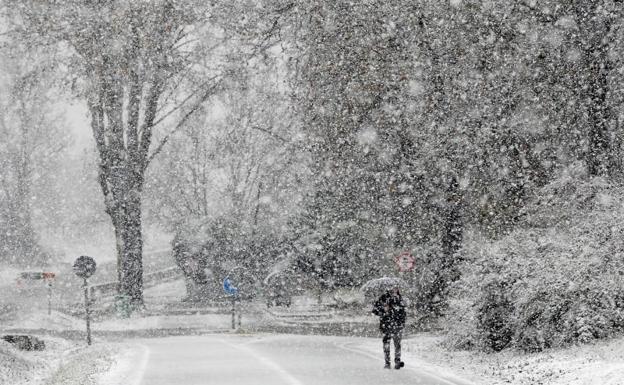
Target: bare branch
(183, 103)
(267, 131)
(209, 92)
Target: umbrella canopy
(376, 287)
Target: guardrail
(109, 289)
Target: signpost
(47, 276)
(231, 290)
(404, 261)
(84, 267)
(31, 275)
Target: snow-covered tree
(239, 175)
(128, 60)
(30, 140)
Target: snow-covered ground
(109, 363)
(109, 360)
(243, 359)
(598, 364)
(425, 359)
(601, 363)
(32, 367)
(38, 319)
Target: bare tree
(30, 140)
(238, 163)
(132, 59)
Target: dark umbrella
(376, 287)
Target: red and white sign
(48, 276)
(405, 261)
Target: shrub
(555, 281)
(494, 313)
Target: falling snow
(242, 171)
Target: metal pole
(240, 314)
(233, 312)
(86, 295)
(49, 297)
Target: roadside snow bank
(30, 367)
(194, 321)
(554, 281)
(15, 367)
(424, 353)
(128, 366)
(40, 320)
(84, 365)
(599, 363)
(66, 363)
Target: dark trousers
(396, 336)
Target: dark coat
(391, 311)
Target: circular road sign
(84, 267)
(405, 261)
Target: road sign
(36, 275)
(228, 287)
(31, 275)
(405, 261)
(49, 278)
(84, 267)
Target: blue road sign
(228, 287)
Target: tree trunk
(132, 252)
(129, 52)
(453, 223)
(597, 67)
(126, 218)
(599, 114)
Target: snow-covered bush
(429, 281)
(494, 315)
(209, 251)
(558, 279)
(561, 313)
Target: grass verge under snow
(31, 367)
(598, 363)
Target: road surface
(230, 359)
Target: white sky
(78, 120)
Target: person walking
(390, 308)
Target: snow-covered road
(230, 359)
